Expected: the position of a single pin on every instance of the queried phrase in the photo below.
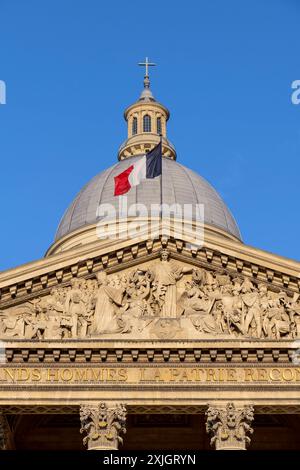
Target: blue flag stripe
(154, 162)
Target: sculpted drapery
(107, 299)
(166, 275)
(157, 299)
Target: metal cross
(147, 64)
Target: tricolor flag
(148, 166)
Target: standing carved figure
(250, 297)
(293, 310)
(74, 306)
(166, 275)
(108, 300)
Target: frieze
(161, 299)
(173, 376)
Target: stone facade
(228, 333)
(160, 299)
(106, 330)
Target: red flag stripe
(122, 184)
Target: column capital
(103, 423)
(229, 426)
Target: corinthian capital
(229, 426)
(103, 425)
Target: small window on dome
(134, 126)
(158, 125)
(147, 123)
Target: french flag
(148, 166)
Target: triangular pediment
(217, 252)
(154, 290)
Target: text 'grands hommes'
(158, 375)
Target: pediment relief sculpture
(160, 299)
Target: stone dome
(179, 185)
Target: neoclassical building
(130, 338)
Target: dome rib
(192, 183)
(175, 199)
(109, 172)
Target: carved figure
(108, 297)
(157, 300)
(166, 275)
(250, 298)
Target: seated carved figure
(215, 303)
(107, 301)
(198, 308)
(136, 310)
(22, 322)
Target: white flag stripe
(138, 173)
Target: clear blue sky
(225, 71)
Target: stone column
(103, 425)
(6, 435)
(229, 426)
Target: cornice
(217, 253)
(144, 105)
(218, 352)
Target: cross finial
(147, 64)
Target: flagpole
(161, 187)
